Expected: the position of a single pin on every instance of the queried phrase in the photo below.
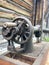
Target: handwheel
(25, 30)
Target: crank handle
(7, 24)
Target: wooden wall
(10, 9)
(39, 12)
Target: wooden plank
(22, 3)
(8, 15)
(3, 62)
(14, 8)
(22, 58)
(14, 61)
(45, 60)
(30, 2)
(38, 15)
(41, 10)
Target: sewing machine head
(19, 31)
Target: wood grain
(22, 3)
(30, 2)
(20, 8)
(7, 5)
(8, 15)
(3, 62)
(45, 60)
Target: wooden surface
(23, 4)
(45, 60)
(3, 62)
(10, 9)
(8, 15)
(13, 7)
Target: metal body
(19, 31)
